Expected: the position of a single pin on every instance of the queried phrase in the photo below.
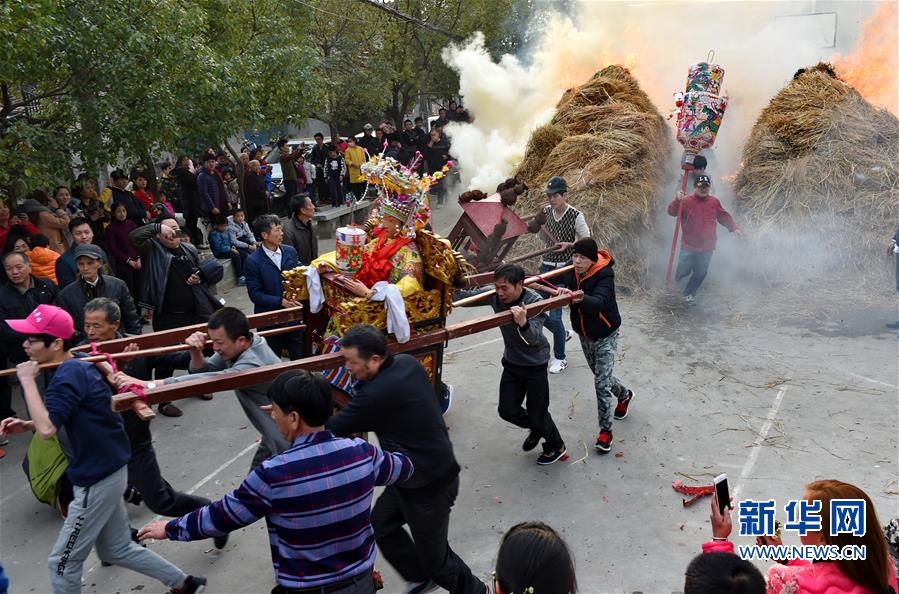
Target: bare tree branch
(411, 19)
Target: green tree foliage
(90, 82)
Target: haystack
(820, 173)
(611, 144)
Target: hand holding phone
(722, 492)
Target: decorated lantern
(701, 107)
(350, 242)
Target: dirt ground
(774, 393)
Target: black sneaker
(621, 407)
(220, 541)
(549, 457)
(604, 441)
(530, 442)
(192, 585)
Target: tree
(89, 82)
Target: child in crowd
(241, 235)
(222, 247)
(335, 173)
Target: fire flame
(871, 67)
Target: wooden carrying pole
(231, 381)
(163, 350)
(527, 281)
(688, 167)
(485, 278)
(177, 335)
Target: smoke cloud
(657, 41)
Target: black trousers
(144, 474)
(528, 385)
(426, 554)
(291, 341)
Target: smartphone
(722, 492)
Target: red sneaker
(604, 441)
(621, 407)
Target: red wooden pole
(687, 168)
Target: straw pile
(611, 145)
(820, 174)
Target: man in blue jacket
(263, 270)
(209, 189)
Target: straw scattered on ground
(611, 145)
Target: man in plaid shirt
(315, 497)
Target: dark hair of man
(233, 321)
(77, 222)
(513, 273)
(39, 240)
(419, 119)
(298, 202)
(281, 142)
(109, 307)
(407, 122)
(307, 394)
(367, 340)
(220, 219)
(238, 210)
(164, 217)
(533, 558)
(264, 223)
(700, 162)
(318, 135)
(48, 340)
(722, 573)
(22, 255)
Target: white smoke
(657, 41)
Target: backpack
(44, 465)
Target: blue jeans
(695, 265)
(554, 321)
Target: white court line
(212, 474)
(474, 346)
(202, 482)
(757, 443)
(868, 379)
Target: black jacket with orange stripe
(597, 315)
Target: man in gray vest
(566, 225)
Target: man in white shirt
(263, 270)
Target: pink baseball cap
(45, 319)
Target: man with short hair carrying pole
(321, 536)
(395, 398)
(236, 349)
(525, 360)
(102, 321)
(78, 398)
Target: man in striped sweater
(315, 497)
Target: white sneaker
(557, 365)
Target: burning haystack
(821, 163)
(611, 144)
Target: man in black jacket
(120, 195)
(102, 320)
(298, 230)
(596, 321)
(92, 284)
(394, 398)
(18, 298)
(176, 284)
(525, 361)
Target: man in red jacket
(700, 214)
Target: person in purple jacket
(321, 535)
